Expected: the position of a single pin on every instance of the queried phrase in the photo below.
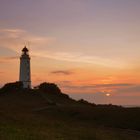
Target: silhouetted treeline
(45, 87)
(12, 86)
(49, 88)
(82, 101)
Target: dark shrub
(49, 88)
(64, 95)
(12, 86)
(86, 102)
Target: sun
(108, 94)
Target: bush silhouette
(49, 88)
(86, 102)
(12, 86)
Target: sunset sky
(90, 48)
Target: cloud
(11, 33)
(130, 90)
(80, 58)
(15, 39)
(62, 72)
(11, 58)
(122, 93)
(4, 51)
(100, 86)
(113, 85)
(6, 59)
(71, 87)
(65, 82)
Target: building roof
(25, 49)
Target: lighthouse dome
(25, 49)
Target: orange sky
(89, 48)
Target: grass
(62, 131)
(32, 117)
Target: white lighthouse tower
(25, 74)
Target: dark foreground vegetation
(45, 113)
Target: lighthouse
(25, 74)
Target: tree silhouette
(12, 86)
(49, 88)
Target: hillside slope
(39, 115)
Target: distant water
(131, 106)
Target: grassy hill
(43, 114)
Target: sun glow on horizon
(108, 94)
